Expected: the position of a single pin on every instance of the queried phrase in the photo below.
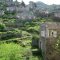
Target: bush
(11, 34)
(35, 37)
(2, 27)
(11, 52)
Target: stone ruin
(50, 40)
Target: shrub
(11, 52)
(10, 34)
(2, 27)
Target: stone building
(57, 14)
(1, 12)
(20, 9)
(23, 12)
(6, 1)
(50, 40)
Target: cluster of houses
(22, 11)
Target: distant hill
(50, 8)
(41, 5)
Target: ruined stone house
(57, 14)
(50, 40)
(1, 12)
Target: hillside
(20, 28)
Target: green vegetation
(12, 51)
(16, 37)
(2, 27)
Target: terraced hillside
(16, 39)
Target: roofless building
(50, 40)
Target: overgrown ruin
(50, 40)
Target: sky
(49, 2)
